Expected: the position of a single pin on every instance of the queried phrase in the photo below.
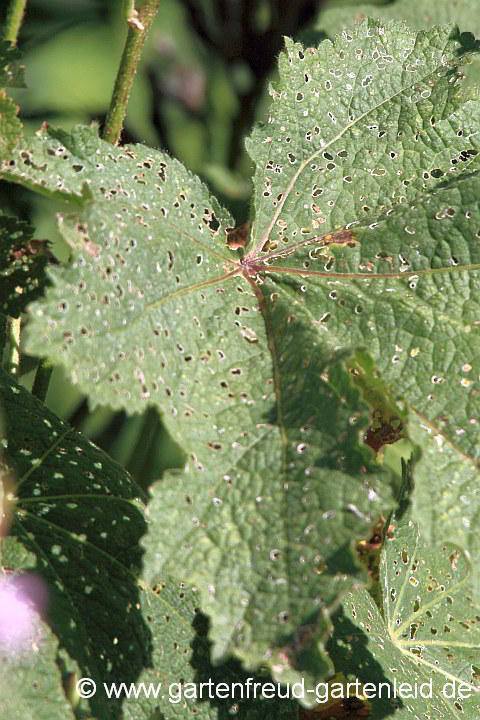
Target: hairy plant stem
(139, 23)
(13, 21)
(11, 359)
(42, 379)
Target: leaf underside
(366, 234)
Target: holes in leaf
(161, 172)
(214, 445)
(213, 223)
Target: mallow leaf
(143, 321)
(365, 233)
(426, 637)
(77, 512)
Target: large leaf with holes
(183, 677)
(76, 510)
(429, 634)
(365, 233)
(141, 319)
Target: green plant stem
(13, 22)
(42, 379)
(139, 24)
(12, 351)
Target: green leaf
(429, 632)
(365, 235)
(10, 125)
(22, 265)
(181, 662)
(193, 341)
(76, 511)
(11, 73)
(419, 15)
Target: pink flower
(22, 599)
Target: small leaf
(10, 125)
(11, 73)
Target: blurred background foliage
(202, 83)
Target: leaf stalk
(139, 23)
(42, 379)
(14, 19)
(11, 361)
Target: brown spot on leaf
(238, 238)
